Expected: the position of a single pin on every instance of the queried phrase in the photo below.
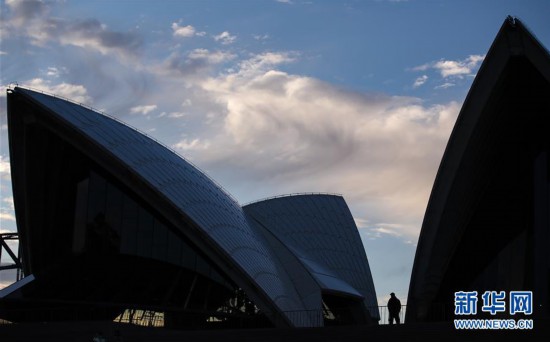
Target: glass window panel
(97, 194)
(188, 256)
(113, 208)
(145, 233)
(129, 226)
(174, 248)
(81, 209)
(216, 276)
(202, 266)
(159, 241)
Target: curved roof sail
(319, 229)
(171, 184)
(482, 207)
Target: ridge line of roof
(14, 85)
(294, 194)
(516, 23)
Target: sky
(274, 97)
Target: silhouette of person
(394, 307)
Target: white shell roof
(320, 230)
(191, 192)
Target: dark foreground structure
(415, 332)
(486, 226)
(113, 226)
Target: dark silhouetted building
(486, 225)
(110, 220)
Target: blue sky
(272, 97)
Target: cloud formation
(53, 72)
(6, 216)
(74, 92)
(9, 203)
(183, 31)
(261, 130)
(420, 81)
(458, 68)
(296, 133)
(195, 144)
(23, 11)
(143, 110)
(225, 38)
(32, 18)
(195, 62)
(4, 166)
(445, 85)
(453, 68)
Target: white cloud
(177, 115)
(4, 165)
(23, 11)
(453, 68)
(275, 132)
(291, 133)
(183, 31)
(74, 92)
(379, 230)
(195, 144)
(32, 18)
(9, 203)
(361, 223)
(225, 38)
(187, 103)
(445, 85)
(54, 72)
(422, 67)
(95, 35)
(420, 81)
(264, 62)
(6, 216)
(215, 57)
(389, 229)
(144, 110)
(195, 63)
(7, 277)
(3, 53)
(261, 36)
(4, 230)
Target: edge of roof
(15, 86)
(513, 39)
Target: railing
(181, 319)
(174, 319)
(385, 314)
(142, 318)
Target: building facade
(487, 223)
(109, 218)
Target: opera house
(487, 223)
(110, 221)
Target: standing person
(394, 307)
